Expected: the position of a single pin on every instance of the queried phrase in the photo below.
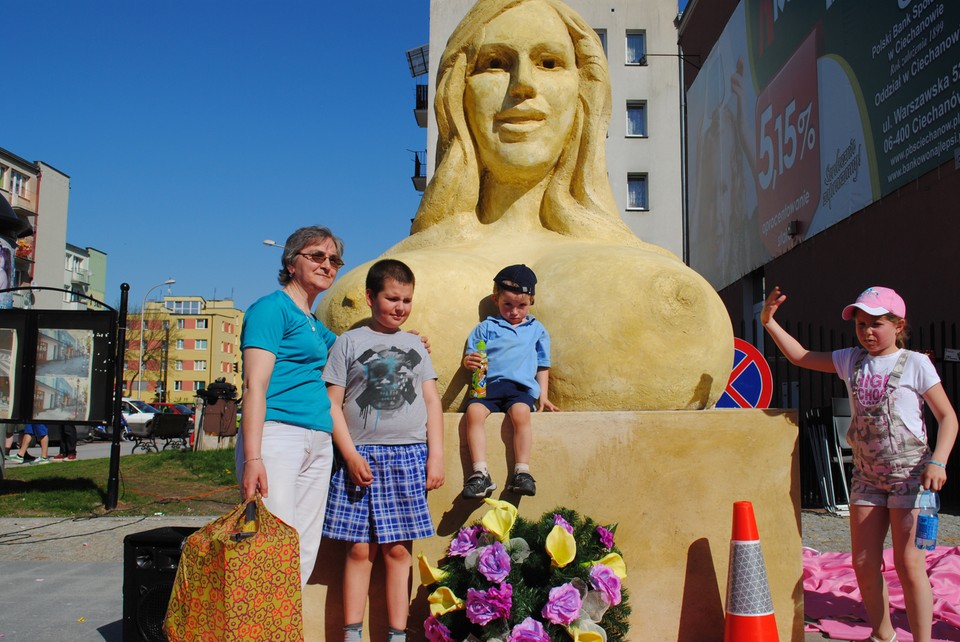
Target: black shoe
(478, 485)
(523, 484)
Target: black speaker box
(150, 563)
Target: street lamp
(143, 309)
(273, 244)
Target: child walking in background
(388, 427)
(518, 355)
(892, 460)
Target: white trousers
(298, 463)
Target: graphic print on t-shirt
(389, 383)
(869, 388)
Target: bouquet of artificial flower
(509, 580)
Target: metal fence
(805, 390)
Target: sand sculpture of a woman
(522, 106)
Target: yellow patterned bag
(238, 579)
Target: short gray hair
(300, 239)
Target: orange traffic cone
(749, 605)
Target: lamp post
(143, 309)
(272, 243)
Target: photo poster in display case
(57, 366)
(74, 366)
(13, 338)
(7, 252)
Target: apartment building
(39, 195)
(85, 275)
(643, 142)
(185, 343)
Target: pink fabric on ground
(832, 600)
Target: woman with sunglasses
(285, 449)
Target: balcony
(420, 170)
(80, 276)
(420, 110)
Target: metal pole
(143, 308)
(113, 480)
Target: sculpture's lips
(520, 120)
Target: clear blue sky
(193, 129)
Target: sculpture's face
(522, 94)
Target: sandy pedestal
(669, 478)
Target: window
(18, 183)
(179, 365)
(636, 118)
(183, 307)
(200, 344)
(200, 364)
(178, 385)
(637, 192)
(201, 324)
(181, 324)
(602, 34)
(179, 344)
(636, 47)
(199, 385)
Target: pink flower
(494, 562)
(606, 581)
(560, 521)
(465, 542)
(485, 606)
(563, 605)
(435, 631)
(606, 537)
(529, 630)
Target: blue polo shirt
(514, 352)
(296, 394)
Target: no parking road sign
(751, 382)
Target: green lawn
(169, 482)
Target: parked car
(137, 413)
(173, 408)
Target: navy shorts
(37, 430)
(502, 394)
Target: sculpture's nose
(522, 84)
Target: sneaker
(523, 484)
(15, 457)
(478, 485)
(62, 457)
(40, 461)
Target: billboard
(806, 112)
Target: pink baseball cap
(877, 301)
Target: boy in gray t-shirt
(388, 428)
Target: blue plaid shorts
(392, 509)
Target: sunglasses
(320, 257)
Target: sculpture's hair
(300, 239)
(578, 200)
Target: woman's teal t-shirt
(297, 394)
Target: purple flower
(529, 630)
(435, 631)
(606, 581)
(560, 521)
(465, 542)
(563, 605)
(485, 606)
(494, 562)
(606, 537)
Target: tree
(157, 328)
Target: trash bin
(219, 416)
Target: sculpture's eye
(548, 63)
(496, 63)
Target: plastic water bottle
(478, 382)
(927, 521)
